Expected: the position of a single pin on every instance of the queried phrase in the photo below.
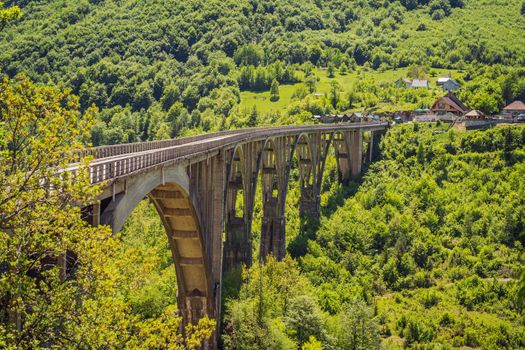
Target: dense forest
(161, 68)
(422, 252)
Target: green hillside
(423, 251)
(347, 82)
(423, 255)
(160, 68)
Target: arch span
(168, 189)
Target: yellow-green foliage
(435, 232)
(45, 304)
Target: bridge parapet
(116, 162)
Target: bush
(430, 299)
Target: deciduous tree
(58, 277)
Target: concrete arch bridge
(198, 183)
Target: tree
(485, 102)
(334, 93)
(343, 70)
(40, 127)
(252, 119)
(352, 98)
(331, 70)
(308, 68)
(438, 14)
(312, 344)
(311, 82)
(358, 330)
(274, 91)
(523, 8)
(304, 320)
(248, 55)
(8, 14)
(440, 5)
(57, 286)
(457, 3)
(421, 154)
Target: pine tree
(331, 70)
(274, 91)
(252, 119)
(343, 70)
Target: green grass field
(261, 100)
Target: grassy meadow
(263, 104)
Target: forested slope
(424, 255)
(158, 68)
(426, 250)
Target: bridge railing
(126, 148)
(166, 151)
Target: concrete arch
(168, 189)
(242, 171)
(341, 148)
(311, 152)
(275, 167)
(304, 152)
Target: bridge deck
(119, 161)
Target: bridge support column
(276, 163)
(375, 142)
(341, 143)
(311, 167)
(310, 202)
(356, 152)
(243, 170)
(207, 182)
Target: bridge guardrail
(149, 156)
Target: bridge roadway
(204, 189)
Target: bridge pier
(276, 164)
(242, 173)
(310, 202)
(356, 152)
(311, 167)
(377, 136)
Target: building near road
(357, 117)
(475, 115)
(451, 85)
(515, 109)
(403, 83)
(419, 84)
(332, 118)
(449, 104)
(442, 80)
(448, 84)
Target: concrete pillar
(243, 174)
(272, 230)
(311, 181)
(276, 163)
(342, 155)
(310, 202)
(356, 153)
